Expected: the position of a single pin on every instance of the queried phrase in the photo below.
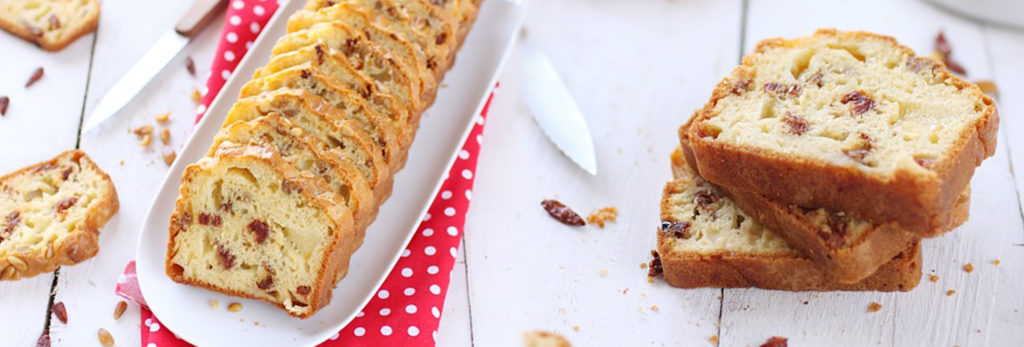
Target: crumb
(603, 272)
(196, 95)
(805, 302)
(576, 328)
(933, 278)
(161, 118)
(776, 341)
(950, 292)
(122, 163)
(190, 66)
(987, 87)
(234, 307)
(995, 262)
(168, 154)
(544, 339)
(214, 303)
(643, 265)
(602, 216)
(642, 295)
(968, 267)
(165, 136)
(655, 308)
(145, 140)
(624, 291)
(650, 279)
(561, 310)
(713, 339)
(874, 307)
(143, 130)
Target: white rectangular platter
(186, 310)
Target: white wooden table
(637, 69)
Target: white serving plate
(186, 310)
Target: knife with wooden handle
(153, 61)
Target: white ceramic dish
(186, 310)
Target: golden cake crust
(921, 203)
(82, 242)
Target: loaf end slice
(848, 121)
(248, 224)
(706, 240)
(50, 214)
(52, 25)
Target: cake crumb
(196, 95)
(214, 303)
(776, 341)
(968, 267)
(603, 273)
(643, 265)
(576, 328)
(544, 339)
(655, 308)
(713, 339)
(163, 117)
(995, 262)
(602, 216)
(933, 278)
(234, 307)
(950, 292)
(650, 279)
(874, 307)
(561, 310)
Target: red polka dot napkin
(407, 308)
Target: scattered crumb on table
(603, 272)
(874, 307)
(655, 308)
(234, 307)
(968, 267)
(995, 262)
(603, 215)
(544, 339)
(933, 278)
(950, 292)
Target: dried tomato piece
(562, 213)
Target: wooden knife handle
(200, 12)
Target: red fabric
(407, 308)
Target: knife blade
(554, 109)
(152, 62)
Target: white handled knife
(553, 107)
(151, 63)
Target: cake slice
(300, 151)
(848, 121)
(50, 24)
(50, 214)
(343, 61)
(432, 34)
(248, 224)
(390, 41)
(849, 248)
(706, 240)
(334, 134)
(380, 129)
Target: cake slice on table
(50, 214)
(52, 25)
(706, 240)
(248, 224)
(847, 121)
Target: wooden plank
(88, 289)
(637, 70)
(455, 326)
(41, 121)
(926, 315)
(1006, 48)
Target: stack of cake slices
(308, 152)
(819, 164)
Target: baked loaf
(706, 240)
(50, 24)
(248, 224)
(849, 248)
(847, 121)
(50, 214)
(308, 153)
